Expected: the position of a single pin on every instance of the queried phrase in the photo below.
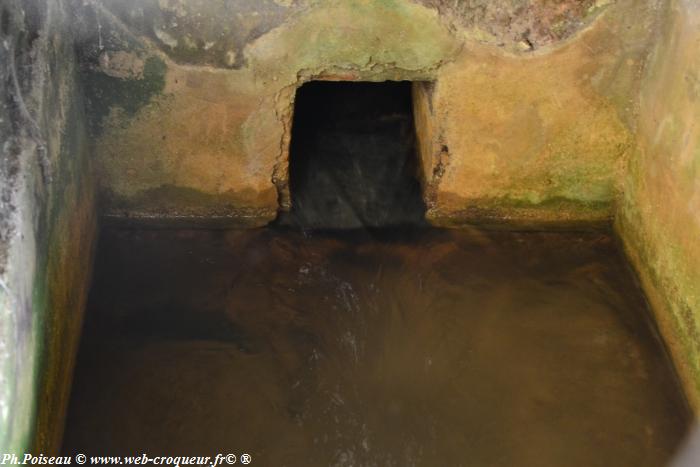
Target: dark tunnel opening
(353, 161)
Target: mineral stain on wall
(127, 86)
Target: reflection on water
(434, 348)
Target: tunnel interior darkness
(353, 160)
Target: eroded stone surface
(535, 138)
(521, 25)
(523, 134)
(214, 142)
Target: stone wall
(538, 136)
(47, 221)
(192, 103)
(659, 216)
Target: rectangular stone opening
(353, 160)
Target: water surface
(427, 348)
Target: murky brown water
(440, 348)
